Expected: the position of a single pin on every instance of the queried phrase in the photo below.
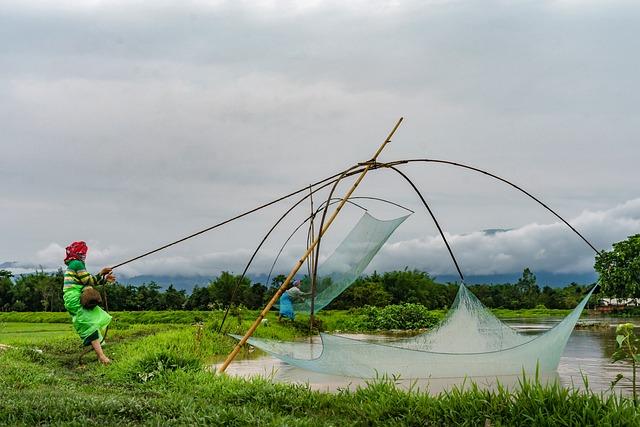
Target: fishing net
(348, 261)
(470, 341)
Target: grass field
(27, 333)
(331, 319)
(159, 376)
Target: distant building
(607, 305)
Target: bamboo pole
(301, 261)
(312, 272)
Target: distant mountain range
(187, 283)
(555, 280)
(543, 278)
(182, 282)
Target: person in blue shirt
(291, 295)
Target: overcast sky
(131, 124)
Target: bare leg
(98, 349)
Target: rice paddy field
(161, 375)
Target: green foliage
(43, 292)
(400, 316)
(362, 293)
(628, 349)
(172, 299)
(6, 286)
(31, 292)
(200, 299)
(148, 296)
(525, 295)
(154, 365)
(417, 287)
(227, 289)
(619, 269)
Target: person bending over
(81, 299)
(291, 295)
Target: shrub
(399, 316)
(154, 365)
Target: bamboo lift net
(470, 341)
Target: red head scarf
(77, 251)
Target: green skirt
(91, 324)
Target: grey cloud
(550, 247)
(514, 58)
(542, 247)
(132, 123)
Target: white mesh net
(348, 261)
(470, 341)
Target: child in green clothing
(89, 323)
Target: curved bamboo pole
(367, 165)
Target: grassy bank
(159, 376)
(330, 320)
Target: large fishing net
(348, 261)
(470, 341)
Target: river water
(586, 362)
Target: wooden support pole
(301, 261)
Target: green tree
(50, 286)
(619, 269)
(572, 295)
(272, 288)
(121, 297)
(28, 291)
(148, 297)
(19, 306)
(527, 290)
(255, 296)
(199, 299)
(551, 298)
(229, 289)
(362, 293)
(278, 280)
(6, 288)
(414, 287)
(173, 299)
(37, 291)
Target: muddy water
(587, 355)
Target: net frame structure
(426, 356)
(361, 170)
(501, 350)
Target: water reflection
(586, 361)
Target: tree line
(397, 287)
(619, 271)
(41, 291)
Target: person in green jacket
(89, 323)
